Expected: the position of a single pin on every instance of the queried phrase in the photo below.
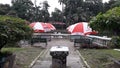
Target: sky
(53, 3)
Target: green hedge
(14, 28)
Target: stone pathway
(73, 59)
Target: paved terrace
(45, 60)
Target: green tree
(70, 10)
(109, 21)
(36, 14)
(4, 9)
(80, 10)
(57, 15)
(94, 6)
(14, 29)
(108, 5)
(22, 8)
(44, 12)
(116, 3)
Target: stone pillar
(59, 55)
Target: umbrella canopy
(50, 26)
(39, 27)
(80, 28)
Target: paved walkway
(73, 59)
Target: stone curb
(83, 59)
(117, 49)
(45, 52)
(41, 53)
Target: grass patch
(24, 56)
(8, 51)
(12, 49)
(99, 58)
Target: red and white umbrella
(38, 27)
(80, 28)
(50, 26)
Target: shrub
(115, 42)
(14, 28)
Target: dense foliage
(57, 15)
(73, 11)
(80, 10)
(22, 8)
(109, 21)
(115, 42)
(13, 29)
